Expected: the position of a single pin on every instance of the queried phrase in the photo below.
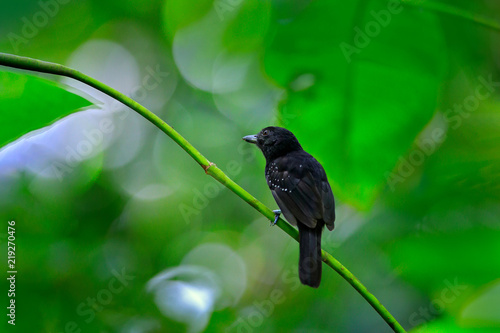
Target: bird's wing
(328, 204)
(296, 192)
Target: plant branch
(210, 168)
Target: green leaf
(239, 26)
(180, 13)
(449, 325)
(430, 259)
(28, 103)
(483, 307)
(357, 113)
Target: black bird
(301, 189)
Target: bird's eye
(265, 133)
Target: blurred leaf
(483, 308)
(448, 325)
(180, 13)
(429, 260)
(246, 31)
(357, 112)
(28, 103)
(466, 168)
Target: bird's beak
(250, 138)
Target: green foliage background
(398, 100)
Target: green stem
(210, 168)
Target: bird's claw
(277, 214)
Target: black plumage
(300, 187)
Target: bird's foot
(277, 214)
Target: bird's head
(274, 141)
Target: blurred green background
(119, 230)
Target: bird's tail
(310, 254)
